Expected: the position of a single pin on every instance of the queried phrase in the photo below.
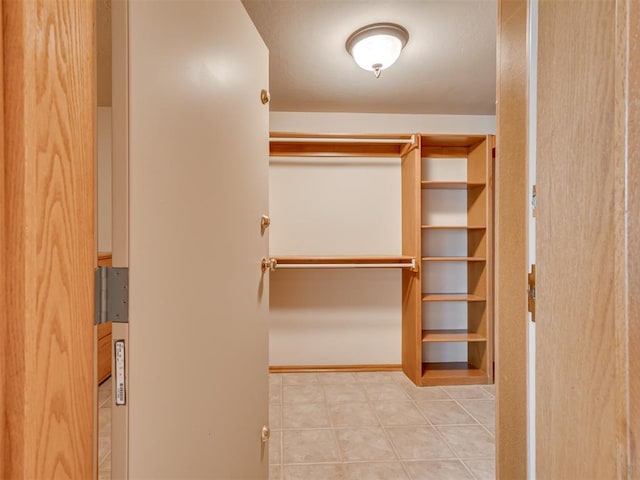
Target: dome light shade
(376, 47)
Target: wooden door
(198, 179)
(587, 105)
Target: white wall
(335, 207)
(104, 179)
(320, 122)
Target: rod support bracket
(268, 264)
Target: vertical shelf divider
(478, 334)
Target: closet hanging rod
(392, 141)
(345, 265)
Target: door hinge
(111, 295)
(531, 297)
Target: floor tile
(336, 377)
(275, 448)
(305, 415)
(104, 469)
(344, 393)
(426, 393)
(445, 412)
(352, 415)
(104, 421)
(375, 377)
(376, 471)
(418, 443)
(491, 427)
(467, 391)
(437, 470)
(275, 472)
(104, 393)
(399, 413)
(490, 389)
(330, 471)
(310, 446)
(275, 417)
(401, 378)
(104, 433)
(483, 410)
(302, 394)
(365, 443)
(482, 468)
(104, 430)
(385, 392)
(275, 394)
(469, 441)
(299, 378)
(275, 379)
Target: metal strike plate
(119, 356)
(531, 297)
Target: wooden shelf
(342, 259)
(287, 144)
(434, 336)
(440, 140)
(453, 259)
(435, 185)
(452, 373)
(451, 297)
(452, 227)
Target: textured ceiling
(448, 66)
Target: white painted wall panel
(335, 206)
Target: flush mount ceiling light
(377, 46)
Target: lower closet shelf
(434, 336)
(451, 297)
(452, 373)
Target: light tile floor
(365, 426)
(104, 430)
(370, 426)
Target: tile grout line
(385, 433)
(472, 416)
(334, 434)
(429, 422)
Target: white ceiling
(448, 66)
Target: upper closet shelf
(287, 144)
(290, 262)
(437, 185)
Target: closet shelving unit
(288, 144)
(423, 332)
(450, 244)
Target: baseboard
(335, 368)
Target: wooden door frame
(47, 396)
(511, 240)
(511, 317)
